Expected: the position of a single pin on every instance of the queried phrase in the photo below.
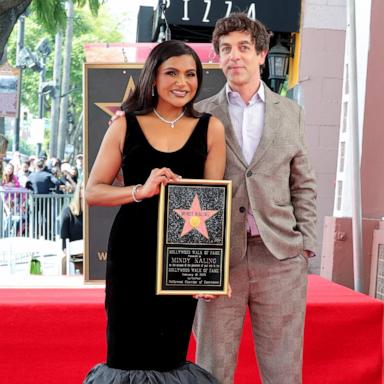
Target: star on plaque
(111, 108)
(195, 218)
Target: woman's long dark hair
(141, 100)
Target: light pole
(43, 49)
(65, 84)
(55, 94)
(358, 255)
(36, 61)
(19, 47)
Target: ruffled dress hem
(187, 373)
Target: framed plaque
(193, 237)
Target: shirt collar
(233, 96)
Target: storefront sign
(277, 15)
(9, 84)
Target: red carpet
(54, 336)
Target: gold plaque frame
(194, 237)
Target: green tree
(87, 29)
(50, 13)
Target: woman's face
(73, 171)
(9, 169)
(176, 81)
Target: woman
(72, 219)
(161, 139)
(10, 180)
(12, 199)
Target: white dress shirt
(248, 123)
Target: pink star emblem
(195, 218)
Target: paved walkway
(21, 280)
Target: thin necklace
(170, 122)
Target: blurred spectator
(9, 178)
(79, 166)
(23, 174)
(70, 184)
(16, 161)
(65, 166)
(42, 181)
(61, 185)
(72, 220)
(12, 201)
(54, 162)
(74, 174)
(32, 163)
(43, 155)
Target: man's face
(239, 60)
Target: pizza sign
(277, 15)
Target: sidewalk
(22, 280)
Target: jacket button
(249, 173)
(242, 209)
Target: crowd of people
(41, 174)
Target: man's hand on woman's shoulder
(116, 116)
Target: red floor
(55, 335)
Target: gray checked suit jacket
(278, 185)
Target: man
(273, 214)
(42, 181)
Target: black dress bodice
(146, 331)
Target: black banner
(277, 15)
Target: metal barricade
(26, 214)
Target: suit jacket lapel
(271, 123)
(221, 110)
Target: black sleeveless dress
(147, 335)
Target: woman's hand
(209, 298)
(157, 177)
